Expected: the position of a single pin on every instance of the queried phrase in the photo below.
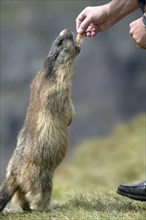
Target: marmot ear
(49, 68)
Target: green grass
(88, 207)
(104, 205)
(85, 184)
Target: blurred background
(108, 85)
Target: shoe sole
(139, 198)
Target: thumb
(84, 25)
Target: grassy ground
(85, 185)
(104, 205)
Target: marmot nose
(66, 33)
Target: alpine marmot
(43, 140)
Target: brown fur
(43, 140)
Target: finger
(78, 23)
(139, 46)
(80, 19)
(88, 34)
(89, 28)
(93, 31)
(131, 31)
(91, 34)
(84, 25)
(131, 25)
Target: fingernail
(80, 30)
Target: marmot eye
(59, 42)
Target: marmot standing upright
(43, 140)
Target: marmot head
(63, 50)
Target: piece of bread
(79, 39)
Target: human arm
(99, 18)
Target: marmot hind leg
(40, 195)
(20, 199)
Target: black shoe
(137, 192)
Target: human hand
(138, 33)
(93, 20)
(99, 18)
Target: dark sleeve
(142, 4)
